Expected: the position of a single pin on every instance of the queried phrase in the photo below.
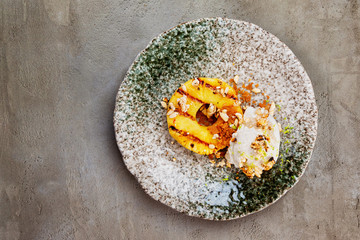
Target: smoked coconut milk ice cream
(255, 145)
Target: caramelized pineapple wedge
(221, 101)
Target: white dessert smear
(247, 151)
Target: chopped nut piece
(171, 111)
(237, 103)
(228, 164)
(260, 142)
(211, 146)
(256, 90)
(183, 87)
(236, 79)
(215, 136)
(261, 122)
(272, 109)
(258, 111)
(262, 138)
(195, 82)
(173, 115)
(224, 116)
(262, 113)
(171, 106)
(236, 122)
(255, 145)
(242, 162)
(222, 92)
(226, 90)
(182, 99)
(211, 110)
(221, 164)
(163, 104)
(239, 116)
(182, 103)
(268, 165)
(258, 171)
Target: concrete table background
(61, 174)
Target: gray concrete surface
(61, 174)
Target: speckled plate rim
(311, 146)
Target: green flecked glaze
(217, 48)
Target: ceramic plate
(216, 48)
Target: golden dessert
(203, 114)
(206, 116)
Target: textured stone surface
(61, 174)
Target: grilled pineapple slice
(184, 105)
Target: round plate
(215, 48)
